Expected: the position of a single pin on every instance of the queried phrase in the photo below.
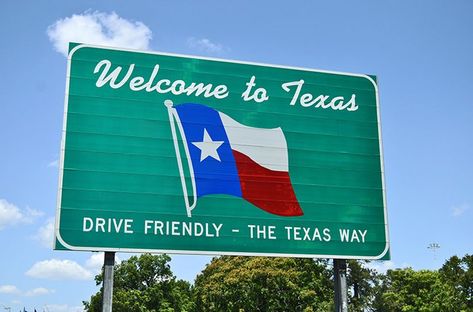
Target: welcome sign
(170, 153)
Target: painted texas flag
(226, 157)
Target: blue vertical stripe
(211, 176)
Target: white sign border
(57, 235)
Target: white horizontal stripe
(267, 147)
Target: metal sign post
(108, 263)
(340, 274)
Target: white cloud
(205, 45)
(13, 290)
(100, 29)
(63, 308)
(12, 215)
(55, 269)
(9, 214)
(95, 262)
(9, 289)
(45, 233)
(31, 214)
(40, 291)
(54, 164)
(459, 210)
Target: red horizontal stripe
(266, 189)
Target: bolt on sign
(179, 154)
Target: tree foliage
(361, 282)
(144, 283)
(263, 284)
(458, 273)
(241, 284)
(409, 290)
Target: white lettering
(162, 86)
(299, 84)
(307, 233)
(87, 224)
(344, 234)
(187, 228)
(178, 228)
(296, 233)
(335, 105)
(149, 87)
(178, 87)
(354, 236)
(175, 229)
(316, 235)
(308, 99)
(217, 229)
(103, 79)
(198, 229)
(128, 224)
(351, 104)
(363, 234)
(109, 225)
(327, 236)
(99, 224)
(251, 227)
(148, 225)
(220, 92)
(258, 96)
(347, 235)
(320, 100)
(166, 82)
(136, 84)
(262, 231)
(158, 226)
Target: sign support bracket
(340, 278)
(108, 264)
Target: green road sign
(170, 153)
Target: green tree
(263, 284)
(144, 283)
(409, 290)
(361, 282)
(458, 273)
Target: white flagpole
(174, 116)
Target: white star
(208, 147)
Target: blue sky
(420, 51)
